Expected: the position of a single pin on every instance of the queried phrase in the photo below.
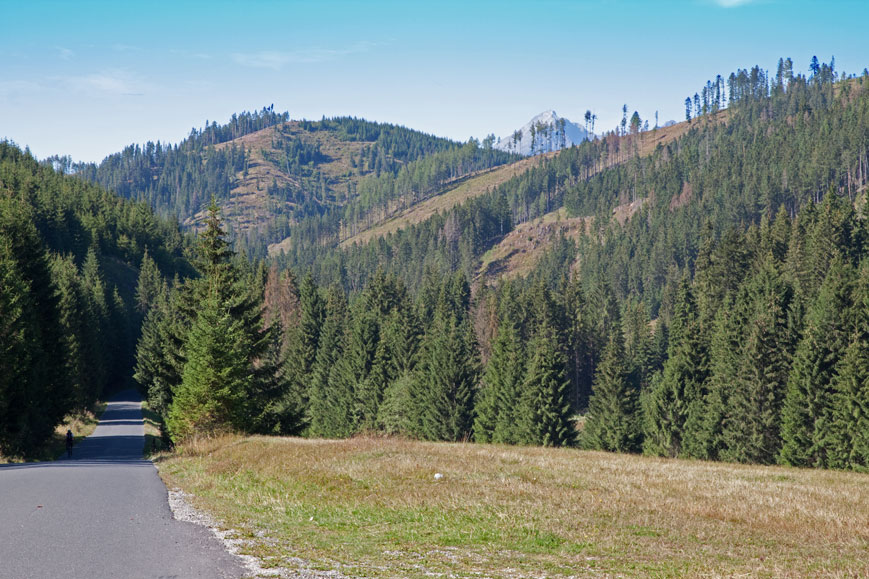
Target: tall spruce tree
(226, 342)
(545, 404)
(678, 396)
(17, 339)
(499, 402)
(752, 421)
(160, 355)
(330, 410)
(724, 359)
(849, 432)
(216, 378)
(395, 364)
(445, 380)
(38, 401)
(613, 421)
(807, 412)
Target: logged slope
(480, 184)
(447, 199)
(271, 174)
(275, 181)
(519, 251)
(372, 506)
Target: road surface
(102, 514)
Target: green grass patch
(370, 507)
(156, 440)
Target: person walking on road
(69, 441)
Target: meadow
(373, 507)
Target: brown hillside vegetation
(373, 507)
(249, 203)
(447, 199)
(520, 250)
(480, 184)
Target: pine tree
(849, 432)
(613, 420)
(807, 411)
(396, 413)
(445, 379)
(362, 353)
(545, 405)
(324, 397)
(394, 365)
(724, 358)
(751, 427)
(149, 284)
(17, 340)
(37, 402)
(160, 355)
(499, 401)
(95, 341)
(226, 344)
(677, 398)
(216, 377)
(73, 311)
(849, 437)
(312, 316)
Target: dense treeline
(726, 319)
(762, 358)
(734, 216)
(69, 320)
(247, 348)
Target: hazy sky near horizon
(87, 77)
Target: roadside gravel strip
(103, 514)
(183, 511)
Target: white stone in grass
(438, 476)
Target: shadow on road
(67, 463)
(118, 439)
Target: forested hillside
(706, 296)
(723, 315)
(71, 297)
(270, 173)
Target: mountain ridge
(544, 133)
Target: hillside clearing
(521, 249)
(373, 507)
(467, 189)
(478, 185)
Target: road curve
(102, 514)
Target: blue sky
(86, 78)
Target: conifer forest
(714, 303)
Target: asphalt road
(102, 514)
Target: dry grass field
(372, 507)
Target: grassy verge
(82, 425)
(373, 507)
(155, 440)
